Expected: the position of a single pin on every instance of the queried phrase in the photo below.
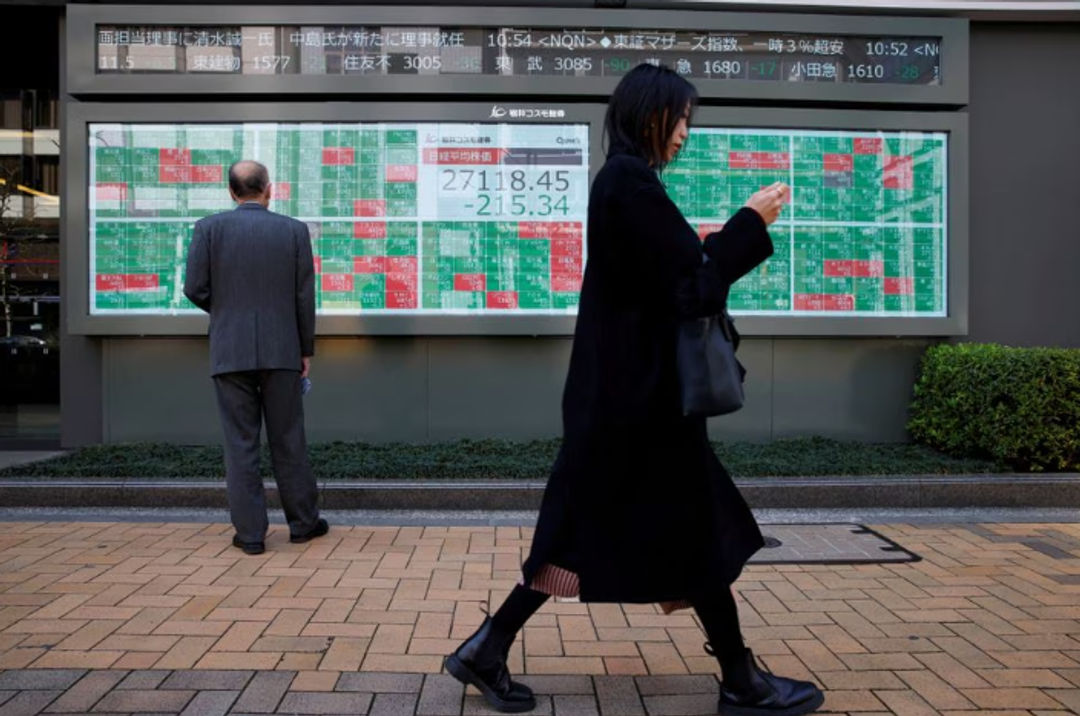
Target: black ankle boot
(481, 661)
(749, 690)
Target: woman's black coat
(637, 504)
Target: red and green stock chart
(405, 218)
(864, 234)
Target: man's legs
(283, 407)
(241, 420)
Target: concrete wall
(1025, 249)
(1025, 184)
(428, 389)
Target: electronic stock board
(474, 220)
(430, 217)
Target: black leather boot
(749, 690)
(481, 661)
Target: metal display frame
(76, 215)
(83, 80)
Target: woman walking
(638, 508)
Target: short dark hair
(644, 109)
(248, 178)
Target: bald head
(248, 180)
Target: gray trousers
(244, 400)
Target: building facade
(443, 167)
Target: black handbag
(710, 378)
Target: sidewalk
(168, 618)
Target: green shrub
(493, 460)
(1017, 406)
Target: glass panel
(29, 266)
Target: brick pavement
(168, 618)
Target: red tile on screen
(462, 155)
(401, 299)
(872, 268)
(174, 174)
(809, 302)
(168, 156)
(110, 191)
(901, 286)
(208, 174)
(470, 282)
(759, 160)
(898, 173)
(867, 145)
(502, 299)
(566, 230)
(109, 282)
(337, 282)
(127, 282)
(400, 172)
(535, 229)
(338, 156)
(565, 283)
(568, 264)
(369, 207)
(566, 247)
(839, 267)
(402, 282)
(838, 162)
(369, 230)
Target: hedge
(493, 460)
(1016, 406)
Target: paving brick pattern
(124, 618)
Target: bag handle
(726, 322)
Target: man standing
(252, 271)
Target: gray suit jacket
(252, 271)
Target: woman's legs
(720, 618)
(747, 690)
(481, 659)
(518, 607)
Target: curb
(913, 491)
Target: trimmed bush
(1017, 406)
(493, 460)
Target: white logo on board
(498, 112)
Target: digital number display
(405, 218)
(758, 56)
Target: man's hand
(305, 366)
(769, 201)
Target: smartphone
(305, 385)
